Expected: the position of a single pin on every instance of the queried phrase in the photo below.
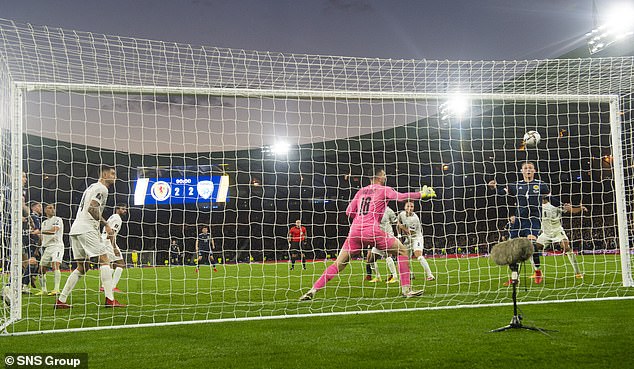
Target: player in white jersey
(110, 240)
(86, 241)
(409, 226)
(387, 222)
(553, 232)
(53, 245)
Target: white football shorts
(87, 245)
(114, 253)
(548, 239)
(52, 254)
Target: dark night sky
(398, 29)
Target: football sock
(403, 270)
(573, 260)
(375, 269)
(58, 278)
(425, 265)
(26, 278)
(535, 261)
(106, 281)
(327, 275)
(43, 282)
(116, 276)
(70, 284)
(391, 266)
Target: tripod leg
(516, 321)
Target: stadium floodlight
(456, 107)
(280, 148)
(618, 26)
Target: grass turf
(179, 294)
(590, 335)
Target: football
(532, 138)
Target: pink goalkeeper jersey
(368, 205)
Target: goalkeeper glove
(427, 192)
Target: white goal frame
(36, 59)
(17, 125)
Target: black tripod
(516, 321)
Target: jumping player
(528, 194)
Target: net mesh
(283, 137)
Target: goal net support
(244, 143)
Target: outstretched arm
(568, 208)
(426, 192)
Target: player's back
(388, 220)
(551, 218)
(85, 222)
(369, 205)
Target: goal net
(245, 143)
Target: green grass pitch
(589, 332)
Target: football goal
(218, 153)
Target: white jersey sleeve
(52, 240)
(84, 222)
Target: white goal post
(174, 113)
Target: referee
(297, 239)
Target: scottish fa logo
(205, 189)
(160, 190)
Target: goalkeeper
(366, 210)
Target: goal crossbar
(317, 94)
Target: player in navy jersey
(176, 256)
(204, 249)
(528, 194)
(32, 240)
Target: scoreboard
(184, 190)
